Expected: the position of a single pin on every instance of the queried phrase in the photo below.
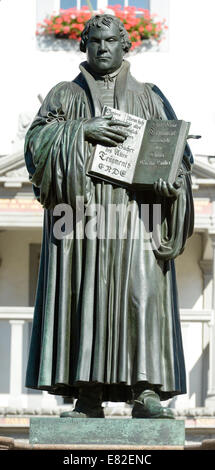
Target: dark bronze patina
(106, 323)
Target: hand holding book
(169, 190)
(105, 131)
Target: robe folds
(106, 309)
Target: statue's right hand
(105, 131)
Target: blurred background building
(182, 65)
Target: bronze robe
(106, 309)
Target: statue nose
(103, 46)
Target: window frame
(50, 6)
(103, 3)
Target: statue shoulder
(135, 85)
(148, 89)
(64, 87)
(60, 95)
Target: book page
(161, 151)
(118, 163)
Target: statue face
(104, 49)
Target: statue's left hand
(169, 190)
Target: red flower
(115, 7)
(131, 21)
(121, 15)
(57, 29)
(87, 16)
(73, 35)
(66, 29)
(70, 22)
(148, 27)
(47, 21)
(58, 20)
(138, 43)
(146, 14)
(65, 18)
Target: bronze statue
(106, 323)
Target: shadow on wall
(198, 378)
(189, 274)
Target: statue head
(105, 40)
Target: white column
(48, 401)
(16, 348)
(207, 271)
(210, 401)
(102, 4)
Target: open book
(154, 149)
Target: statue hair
(107, 20)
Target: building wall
(14, 287)
(14, 270)
(189, 274)
(181, 70)
(15, 281)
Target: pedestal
(107, 431)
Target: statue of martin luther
(106, 322)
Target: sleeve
(56, 153)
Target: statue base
(108, 431)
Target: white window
(77, 3)
(103, 3)
(46, 8)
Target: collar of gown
(107, 76)
(85, 65)
(120, 86)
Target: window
(64, 4)
(76, 3)
(131, 3)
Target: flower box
(139, 23)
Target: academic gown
(106, 310)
